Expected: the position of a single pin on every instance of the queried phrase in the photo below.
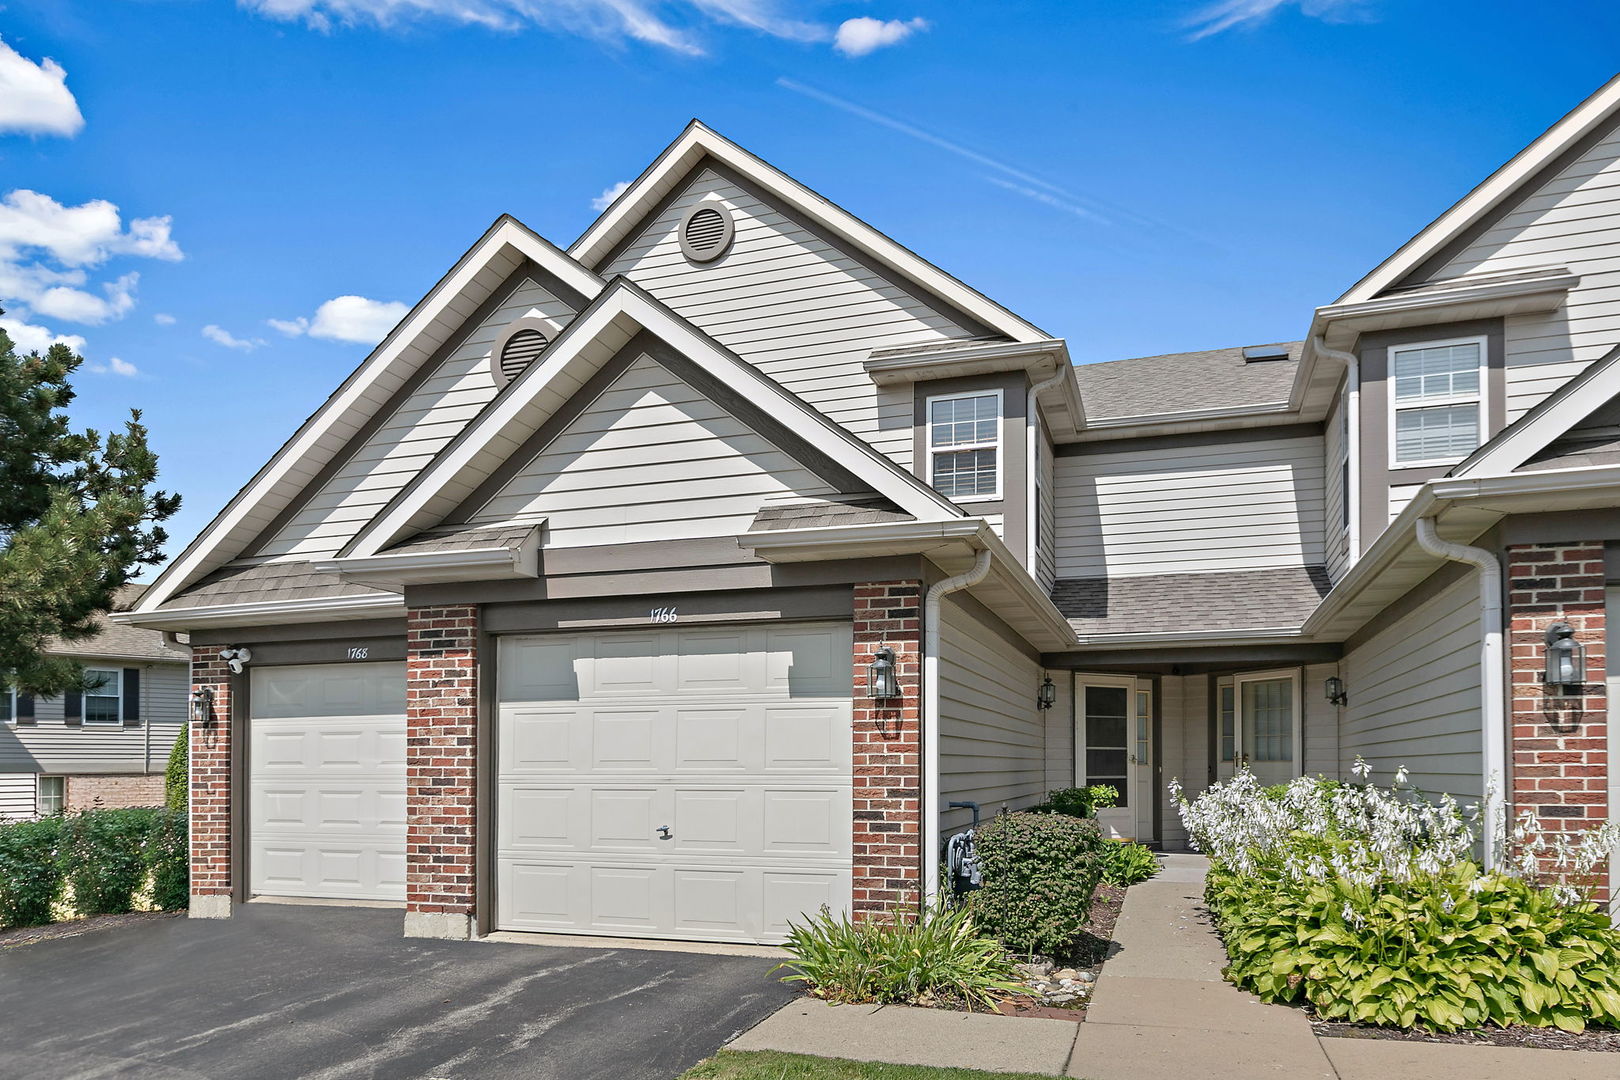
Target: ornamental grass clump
(1367, 903)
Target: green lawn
(769, 1065)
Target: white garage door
(326, 809)
(736, 739)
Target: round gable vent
(518, 347)
(706, 232)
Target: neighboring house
(107, 746)
(682, 581)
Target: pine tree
(78, 517)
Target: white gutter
(927, 804)
(1032, 424)
(1491, 689)
(261, 613)
(1352, 440)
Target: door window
(1268, 712)
(1108, 735)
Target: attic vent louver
(706, 232)
(1259, 354)
(520, 345)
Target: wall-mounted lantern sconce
(1336, 693)
(882, 680)
(1046, 696)
(202, 705)
(1566, 660)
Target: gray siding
(1060, 728)
(1183, 748)
(1320, 724)
(992, 737)
(434, 413)
(1573, 221)
(1046, 549)
(1166, 509)
(1414, 691)
(1336, 544)
(53, 747)
(16, 796)
(785, 299)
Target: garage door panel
(713, 901)
(714, 662)
(623, 739)
(802, 739)
(807, 821)
(624, 897)
(537, 740)
(539, 669)
(626, 665)
(794, 897)
(710, 739)
(625, 819)
(714, 821)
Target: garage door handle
(663, 832)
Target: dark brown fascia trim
(375, 649)
(1129, 444)
(1560, 527)
(321, 631)
(396, 400)
(1447, 575)
(1184, 660)
(1212, 721)
(238, 709)
(1525, 190)
(725, 172)
(484, 894)
(545, 616)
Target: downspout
(927, 804)
(1032, 424)
(1491, 691)
(1352, 441)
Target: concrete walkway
(1161, 1011)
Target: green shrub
(1040, 871)
(30, 871)
(1124, 864)
(176, 781)
(1461, 950)
(1081, 802)
(897, 961)
(167, 857)
(103, 857)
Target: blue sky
(1138, 176)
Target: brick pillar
(888, 753)
(441, 736)
(209, 745)
(1559, 742)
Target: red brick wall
(88, 792)
(441, 724)
(888, 753)
(1560, 761)
(210, 748)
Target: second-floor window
(964, 445)
(104, 696)
(1437, 405)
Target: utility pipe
(1032, 425)
(1352, 439)
(1491, 674)
(927, 806)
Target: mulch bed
(31, 935)
(1602, 1039)
(1095, 947)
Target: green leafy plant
(30, 871)
(1125, 864)
(897, 960)
(103, 855)
(167, 857)
(176, 780)
(1081, 802)
(1040, 872)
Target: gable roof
(116, 641)
(1591, 116)
(621, 314)
(1274, 598)
(503, 249)
(1210, 379)
(1547, 421)
(623, 218)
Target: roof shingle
(1272, 598)
(1180, 382)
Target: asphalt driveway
(291, 991)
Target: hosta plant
(1125, 864)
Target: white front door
(326, 791)
(1260, 725)
(1113, 746)
(680, 783)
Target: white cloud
(347, 318)
(28, 338)
(84, 235)
(115, 366)
(864, 34)
(1226, 14)
(77, 305)
(220, 336)
(34, 98)
(605, 200)
(163, 319)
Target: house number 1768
(662, 615)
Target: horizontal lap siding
(651, 459)
(1336, 548)
(439, 408)
(1573, 221)
(992, 737)
(1164, 510)
(16, 795)
(1046, 550)
(1415, 696)
(802, 311)
(51, 746)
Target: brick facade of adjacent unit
(441, 752)
(210, 749)
(888, 753)
(1560, 759)
(110, 792)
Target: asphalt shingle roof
(467, 538)
(127, 642)
(817, 515)
(265, 582)
(1172, 603)
(1178, 382)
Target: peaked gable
(1583, 404)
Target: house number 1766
(662, 615)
